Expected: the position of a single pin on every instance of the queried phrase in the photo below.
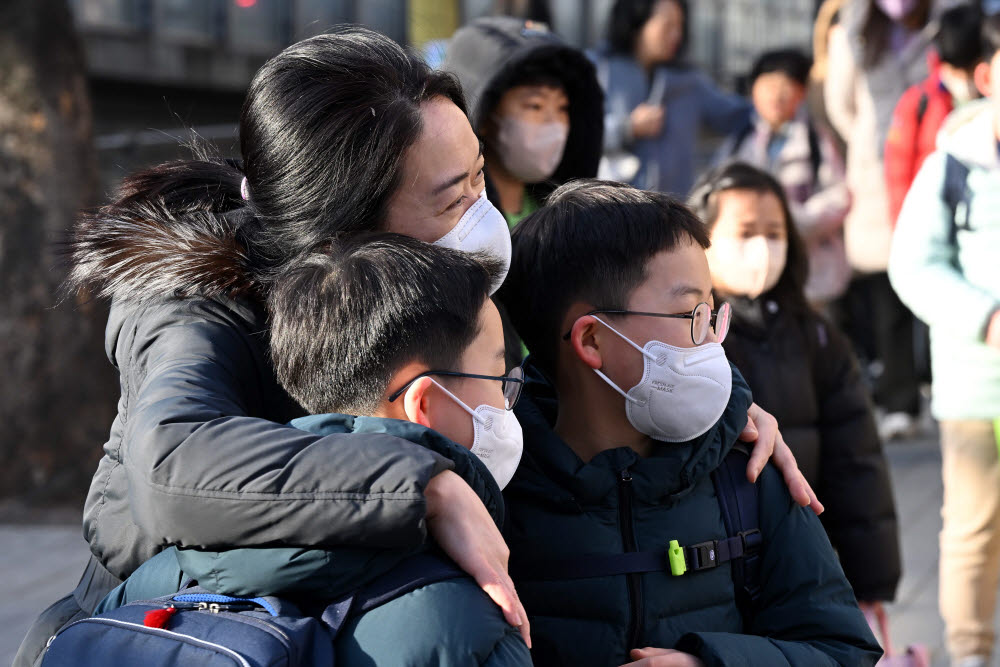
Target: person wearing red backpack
(922, 109)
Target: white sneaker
(896, 426)
(972, 661)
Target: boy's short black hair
(591, 242)
(793, 63)
(343, 322)
(957, 39)
(990, 37)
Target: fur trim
(145, 253)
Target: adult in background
(944, 264)
(655, 104)
(878, 50)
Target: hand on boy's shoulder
(662, 657)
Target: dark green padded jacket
(558, 507)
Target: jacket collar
(670, 473)
(467, 465)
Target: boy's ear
(982, 78)
(417, 400)
(586, 342)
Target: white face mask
(498, 439)
(530, 151)
(747, 266)
(683, 391)
(482, 229)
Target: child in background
(944, 264)
(610, 288)
(802, 369)
(781, 138)
(922, 109)
(535, 103)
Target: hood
(669, 474)
(467, 465)
(487, 53)
(968, 134)
(142, 251)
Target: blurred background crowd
(838, 102)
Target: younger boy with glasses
(404, 335)
(620, 549)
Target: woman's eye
(481, 174)
(457, 202)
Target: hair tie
(245, 189)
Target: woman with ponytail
(340, 134)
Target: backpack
(957, 195)
(739, 503)
(197, 627)
(815, 153)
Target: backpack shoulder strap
(738, 500)
(413, 573)
(922, 106)
(815, 152)
(956, 194)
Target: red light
(245, 4)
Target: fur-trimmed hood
(142, 248)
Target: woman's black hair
(628, 17)
(877, 26)
(704, 201)
(323, 132)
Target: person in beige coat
(878, 50)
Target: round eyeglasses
(512, 383)
(703, 319)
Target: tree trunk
(58, 391)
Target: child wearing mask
(426, 364)
(781, 138)
(536, 105)
(619, 468)
(922, 109)
(944, 266)
(802, 369)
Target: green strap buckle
(675, 554)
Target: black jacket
(801, 370)
(197, 456)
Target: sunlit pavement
(39, 564)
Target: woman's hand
(459, 523)
(646, 121)
(662, 657)
(762, 431)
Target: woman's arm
(203, 474)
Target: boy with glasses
(404, 335)
(619, 539)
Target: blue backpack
(196, 627)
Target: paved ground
(40, 563)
